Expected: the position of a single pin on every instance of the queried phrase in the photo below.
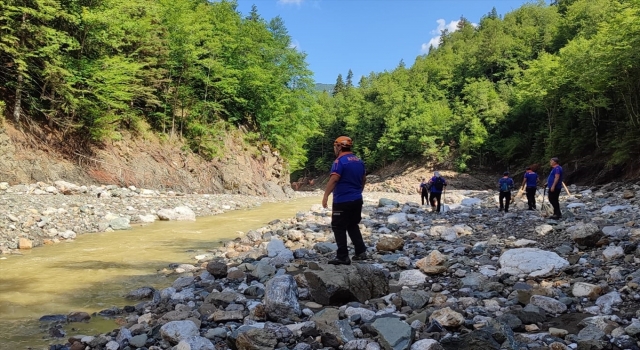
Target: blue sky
(368, 35)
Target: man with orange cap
(346, 183)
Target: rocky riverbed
(470, 278)
(42, 213)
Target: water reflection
(97, 270)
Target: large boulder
(177, 214)
(336, 285)
(531, 261)
(281, 298)
(585, 234)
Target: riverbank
(471, 278)
(41, 213)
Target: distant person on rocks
(424, 190)
(505, 184)
(346, 183)
(554, 183)
(436, 185)
(531, 182)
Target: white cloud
(290, 2)
(295, 44)
(435, 39)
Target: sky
(369, 35)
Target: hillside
(144, 162)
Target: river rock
(217, 269)
(141, 293)
(195, 343)
(281, 298)
(333, 285)
(24, 243)
(175, 331)
(583, 289)
(414, 299)
(447, 317)
(256, 339)
(78, 316)
(181, 213)
(548, 304)
(432, 263)
(612, 253)
(394, 333)
(120, 223)
(390, 244)
(531, 261)
(384, 202)
(411, 278)
(426, 344)
(138, 341)
(585, 234)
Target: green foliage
(540, 81)
(190, 69)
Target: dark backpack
(504, 186)
(438, 184)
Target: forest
(560, 79)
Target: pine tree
(349, 79)
(339, 87)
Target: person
(424, 190)
(436, 185)
(346, 182)
(531, 182)
(505, 185)
(554, 183)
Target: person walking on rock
(554, 183)
(436, 185)
(424, 190)
(531, 182)
(346, 183)
(505, 184)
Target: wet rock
(281, 298)
(53, 318)
(141, 293)
(78, 316)
(217, 269)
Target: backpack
(438, 183)
(504, 186)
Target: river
(96, 270)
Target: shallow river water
(96, 270)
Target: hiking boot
(360, 257)
(340, 261)
(501, 209)
(555, 217)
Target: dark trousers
(345, 218)
(507, 197)
(531, 197)
(554, 199)
(433, 198)
(424, 196)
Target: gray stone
(531, 261)
(384, 202)
(591, 332)
(336, 285)
(325, 247)
(120, 223)
(218, 332)
(141, 293)
(414, 299)
(585, 234)
(281, 298)
(217, 269)
(175, 331)
(138, 341)
(426, 344)
(548, 304)
(256, 339)
(394, 333)
(195, 343)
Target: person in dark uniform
(346, 183)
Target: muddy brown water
(95, 271)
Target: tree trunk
(17, 107)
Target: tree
(349, 83)
(339, 87)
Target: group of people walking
(530, 185)
(348, 177)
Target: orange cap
(344, 141)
